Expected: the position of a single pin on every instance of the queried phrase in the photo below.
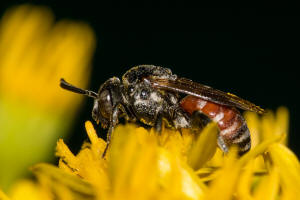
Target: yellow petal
(192, 187)
(3, 196)
(204, 147)
(288, 166)
(282, 122)
(35, 52)
(254, 126)
(259, 149)
(28, 190)
(57, 176)
(223, 187)
(63, 151)
(98, 145)
(268, 188)
(245, 181)
(177, 179)
(91, 132)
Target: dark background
(253, 53)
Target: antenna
(72, 88)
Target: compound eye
(105, 103)
(144, 94)
(95, 111)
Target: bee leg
(180, 131)
(159, 123)
(199, 120)
(221, 143)
(113, 122)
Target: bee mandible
(151, 94)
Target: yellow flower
(142, 164)
(35, 52)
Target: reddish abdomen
(232, 125)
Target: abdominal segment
(232, 125)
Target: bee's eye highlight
(130, 89)
(144, 94)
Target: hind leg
(199, 120)
(222, 144)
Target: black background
(251, 52)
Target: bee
(152, 95)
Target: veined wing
(186, 86)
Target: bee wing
(186, 86)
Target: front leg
(114, 119)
